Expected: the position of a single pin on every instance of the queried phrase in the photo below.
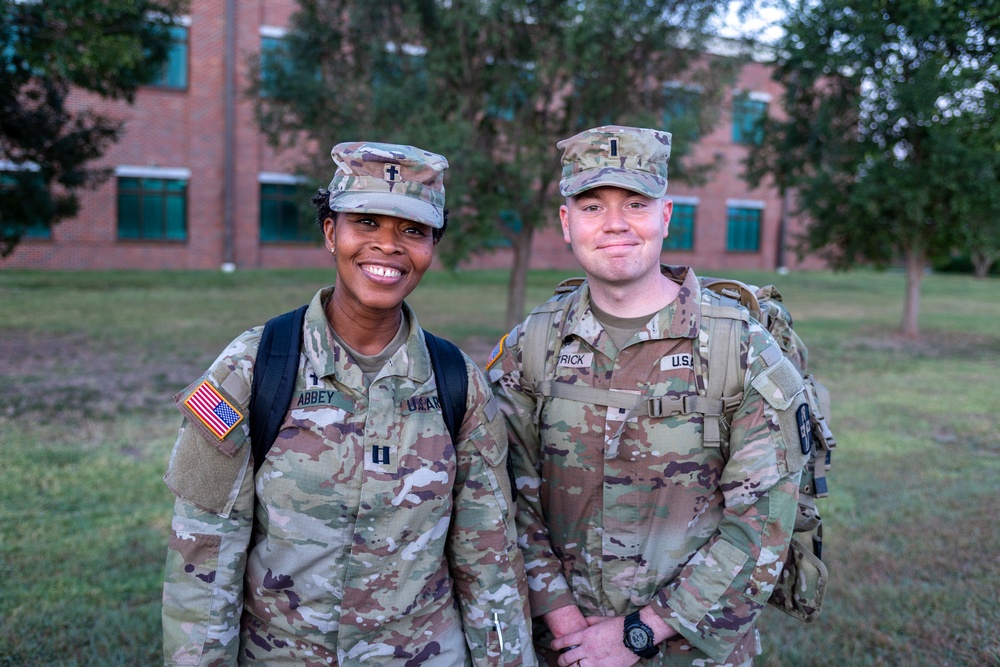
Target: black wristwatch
(639, 637)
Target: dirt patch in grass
(67, 377)
(933, 344)
(70, 377)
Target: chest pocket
(675, 446)
(409, 457)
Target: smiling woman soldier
(365, 535)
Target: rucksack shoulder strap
(746, 295)
(723, 322)
(452, 379)
(538, 337)
(275, 371)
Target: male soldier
(653, 521)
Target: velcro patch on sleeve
(202, 474)
(779, 384)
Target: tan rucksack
(727, 306)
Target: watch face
(638, 638)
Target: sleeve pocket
(709, 580)
(192, 562)
(491, 442)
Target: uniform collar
(330, 359)
(681, 318)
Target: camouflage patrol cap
(633, 158)
(389, 179)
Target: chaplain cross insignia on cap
(389, 179)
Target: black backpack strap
(452, 381)
(274, 375)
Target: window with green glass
(273, 61)
(744, 229)
(10, 180)
(681, 236)
(282, 217)
(681, 112)
(175, 70)
(152, 209)
(747, 117)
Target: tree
(978, 203)
(48, 49)
(888, 105)
(493, 86)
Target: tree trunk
(518, 277)
(981, 263)
(916, 262)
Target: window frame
(748, 110)
(179, 49)
(685, 101)
(744, 226)
(292, 191)
(174, 186)
(10, 173)
(684, 215)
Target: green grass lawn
(89, 362)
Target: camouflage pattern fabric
(366, 538)
(633, 158)
(389, 179)
(802, 586)
(656, 518)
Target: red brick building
(196, 186)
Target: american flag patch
(214, 411)
(497, 351)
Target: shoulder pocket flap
(201, 474)
(779, 384)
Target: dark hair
(321, 200)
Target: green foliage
(890, 105)
(491, 85)
(977, 203)
(91, 360)
(48, 48)
(891, 108)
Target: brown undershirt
(620, 329)
(371, 365)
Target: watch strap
(634, 622)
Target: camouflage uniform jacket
(367, 537)
(656, 518)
